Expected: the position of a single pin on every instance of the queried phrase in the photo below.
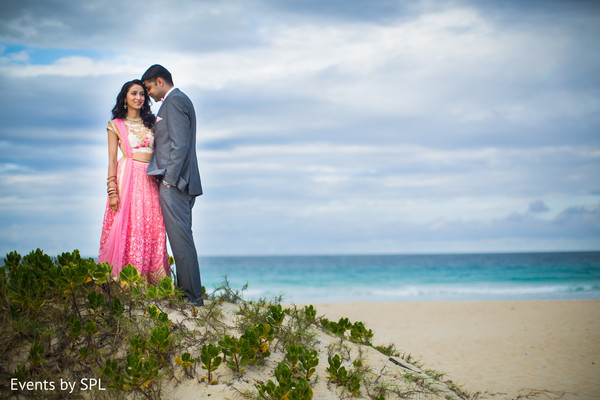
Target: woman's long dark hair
(120, 112)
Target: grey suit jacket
(174, 159)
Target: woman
(133, 231)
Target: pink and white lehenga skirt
(139, 237)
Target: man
(175, 164)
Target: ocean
(449, 277)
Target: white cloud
(75, 66)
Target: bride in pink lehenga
(133, 231)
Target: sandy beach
(499, 348)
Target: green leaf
(90, 328)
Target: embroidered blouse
(141, 139)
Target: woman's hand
(113, 202)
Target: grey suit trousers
(176, 207)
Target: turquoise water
(302, 279)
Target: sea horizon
(440, 253)
(556, 275)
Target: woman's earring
(125, 106)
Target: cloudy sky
(341, 126)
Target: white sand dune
(500, 347)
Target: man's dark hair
(157, 71)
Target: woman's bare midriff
(143, 157)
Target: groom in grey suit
(175, 164)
